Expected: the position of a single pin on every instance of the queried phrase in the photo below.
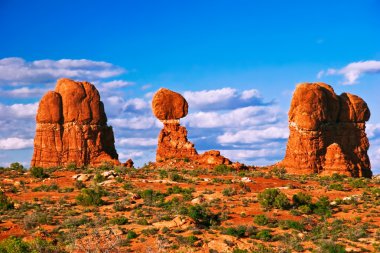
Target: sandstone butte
(72, 127)
(169, 106)
(327, 133)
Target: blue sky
(247, 54)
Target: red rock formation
(327, 132)
(169, 107)
(72, 127)
(173, 143)
(128, 164)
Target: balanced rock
(327, 132)
(72, 127)
(169, 106)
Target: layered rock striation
(169, 106)
(72, 127)
(327, 133)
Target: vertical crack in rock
(327, 132)
(72, 127)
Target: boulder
(327, 133)
(169, 105)
(72, 127)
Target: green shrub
(261, 220)
(163, 174)
(229, 191)
(322, 207)
(273, 198)
(38, 172)
(301, 199)
(336, 186)
(237, 250)
(17, 167)
(91, 196)
(79, 184)
(238, 232)
(152, 198)
(176, 177)
(14, 245)
(331, 247)
(290, 224)
(5, 202)
(120, 220)
(202, 216)
(358, 182)
(131, 235)
(264, 235)
(98, 178)
(223, 169)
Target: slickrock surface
(169, 107)
(327, 132)
(72, 127)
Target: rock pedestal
(327, 133)
(72, 127)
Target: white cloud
(15, 143)
(353, 71)
(220, 99)
(137, 122)
(116, 84)
(241, 117)
(23, 92)
(19, 111)
(254, 135)
(139, 142)
(17, 71)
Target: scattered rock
(198, 200)
(83, 177)
(72, 127)
(177, 222)
(109, 174)
(128, 164)
(213, 157)
(107, 182)
(327, 133)
(245, 180)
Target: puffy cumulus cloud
(137, 142)
(115, 84)
(237, 118)
(221, 99)
(135, 122)
(18, 111)
(373, 131)
(257, 157)
(17, 71)
(353, 71)
(254, 135)
(23, 92)
(15, 143)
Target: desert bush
(273, 198)
(46, 188)
(174, 176)
(14, 245)
(186, 192)
(279, 172)
(119, 220)
(330, 247)
(264, 235)
(131, 235)
(202, 215)
(223, 169)
(37, 218)
(261, 220)
(322, 207)
(17, 167)
(152, 198)
(336, 186)
(38, 172)
(230, 191)
(358, 182)
(91, 196)
(290, 224)
(98, 178)
(5, 202)
(301, 199)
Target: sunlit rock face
(72, 127)
(327, 132)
